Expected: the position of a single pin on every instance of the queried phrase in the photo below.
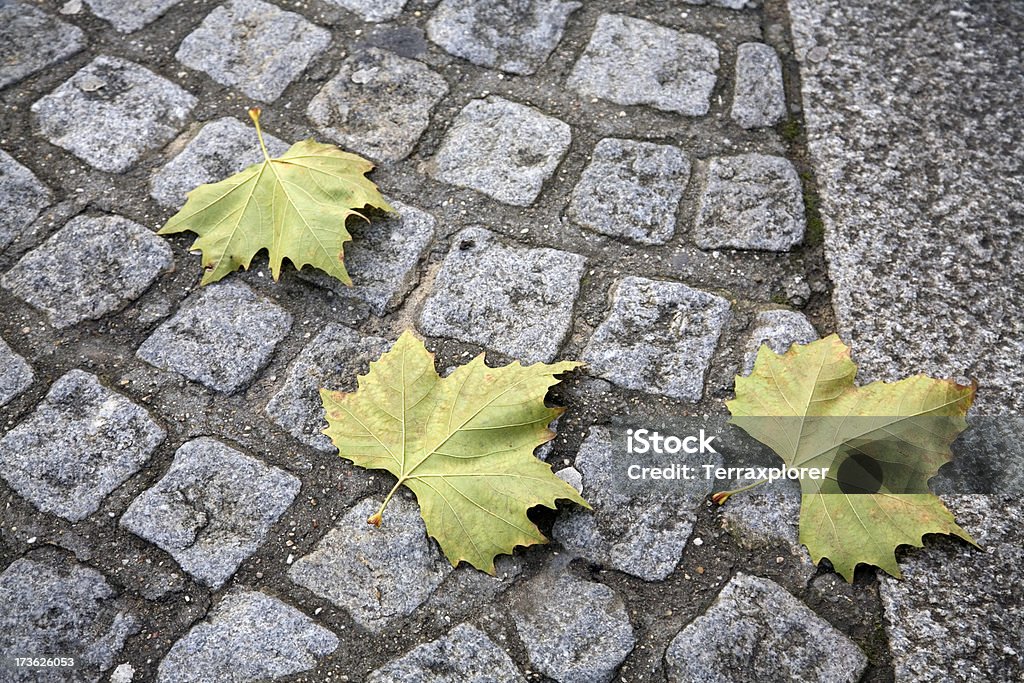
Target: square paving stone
(92, 266)
(212, 509)
(503, 149)
(253, 46)
(15, 374)
(376, 574)
(112, 112)
(631, 189)
(378, 104)
(51, 606)
(130, 15)
(755, 630)
(659, 338)
(248, 636)
(751, 201)
(332, 360)
(81, 442)
(31, 40)
(372, 10)
(219, 150)
(22, 198)
(633, 61)
(512, 35)
(464, 655)
(515, 300)
(221, 337)
(759, 97)
(779, 329)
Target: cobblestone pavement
(626, 183)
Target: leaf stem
(378, 517)
(254, 114)
(723, 496)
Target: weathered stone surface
(354, 565)
(81, 443)
(764, 516)
(574, 631)
(728, 4)
(464, 655)
(212, 509)
(130, 15)
(54, 607)
(248, 636)
(503, 149)
(956, 614)
(633, 61)
(647, 545)
(15, 374)
(253, 46)
(778, 329)
(31, 40)
(111, 112)
(755, 630)
(659, 337)
(512, 35)
(378, 104)
(22, 197)
(632, 190)
(372, 10)
(751, 201)
(221, 336)
(759, 97)
(219, 150)
(92, 266)
(331, 360)
(515, 300)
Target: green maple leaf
(294, 206)
(463, 444)
(805, 406)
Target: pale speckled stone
(130, 15)
(22, 198)
(778, 329)
(463, 655)
(759, 97)
(31, 40)
(15, 374)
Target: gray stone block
(219, 150)
(659, 338)
(81, 442)
(31, 40)
(751, 201)
(464, 655)
(93, 266)
(22, 198)
(55, 607)
(130, 15)
(378, 104)
(574, 631)
(503, 149)
(15, 374)
(632, 190)
(512, 35)
(778, 329)
(248, 636)
(332, 360)
(212, 509)
(353, 566)
(757, 631)
(222, 336)
(764, 516)
(253, 46)
(372, 10)
(111, 112)
(515, 300)
(759, 97)
(633, 61)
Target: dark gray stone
(632, 190)
(759, 97)
(81, 443)
(248, 636)
(515, 300)
(212, 509)
(503, 149)
(31, 40)
(354, 565)
(253, 46)
(332, 360)
(512, 35)
(464, 655)
(659, 337)
(22, 198)
(219, 150)
(756, 631)
(372, 10)
(778, 329)
(93, 266)
(221, 336)
(112, 112)
(378, 104)
(130, 15)
(15, 374)
(633, 61)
